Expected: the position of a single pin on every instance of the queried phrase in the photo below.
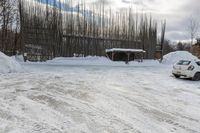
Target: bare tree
(192, 28)
(180, 46)
(8, 18)
(163, 28)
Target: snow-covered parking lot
(69, 98)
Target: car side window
(198, 63)
(183, 62)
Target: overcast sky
(177, 13)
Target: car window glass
(198, 63)
(183, 62)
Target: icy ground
(55, 98)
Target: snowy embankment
(98, 61)
(174, 57)
(168, 60)
(18, 58)
(8, 65)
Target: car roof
(196, 60)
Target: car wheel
(196, 77)
(177, 76)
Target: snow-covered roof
(124, 50)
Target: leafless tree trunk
(192, 29)
(8, 22)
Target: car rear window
(198, 63)
(183, 62)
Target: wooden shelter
(119, 54)
(36, 53)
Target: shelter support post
(128, 55)
(142, 57)
(113, 55)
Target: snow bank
(8, 65)
(98, 61)
(173, 57)
(18, 58)
(89, 60)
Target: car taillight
(191, 68)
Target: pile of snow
(18, 58)
(98, 61)
(89, 60)
(8, 65)
(173, 57)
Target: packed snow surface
(8, 65)
(61, 97)
(174, 57)
(97, 61)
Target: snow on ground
(8, 65)
(174, 57)
(96, 61)
(18, 58)
(66, 96)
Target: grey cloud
(126, 1)
(177, 25)
(177, 20)
(176, 35)
(105, 2)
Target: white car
(187, 68)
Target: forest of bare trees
(9, 27)
(60, 29)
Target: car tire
(196, 77)
(176, 76)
